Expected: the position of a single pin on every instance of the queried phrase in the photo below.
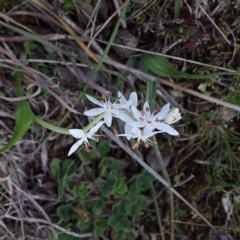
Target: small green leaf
(100, 226)
(119, 188)
(119, 222)
(140, 205)
(111, 163)
(103, 148)
(55, 167)
(28, 46)
(106, 190)
(83, 225)
(124, 207)
(86, 157)
(143, 182)
(98, 206)
(63, 212)
(80, 190)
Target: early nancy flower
(109, 109)
(148, 120)
(80, 134)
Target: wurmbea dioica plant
(139, 125)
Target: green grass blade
(93, 14)
(177, 8)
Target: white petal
(125, 105)
(146, 105)
(128, 131)
(133, 96)
(77, 133)
(75, 146)
(136, 131)
(136, 113)
(94, 100)
(165, 109)
(165, 128)
(122, 99)
(94, 112)
(96, 127)
(115, 112)
(147, 111)
(125, 135)
(108, 118)
(148, 130)
(124, 117)
(138, 124)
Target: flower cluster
(140, 125)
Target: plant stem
(94, 122)
(51, 126)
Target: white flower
(148, 120)
(141, 135)
(80, 134)
(109, 109)
(172, 116)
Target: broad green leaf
(160, 66)
(23, 118)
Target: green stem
(50, 126)
(94, 122)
